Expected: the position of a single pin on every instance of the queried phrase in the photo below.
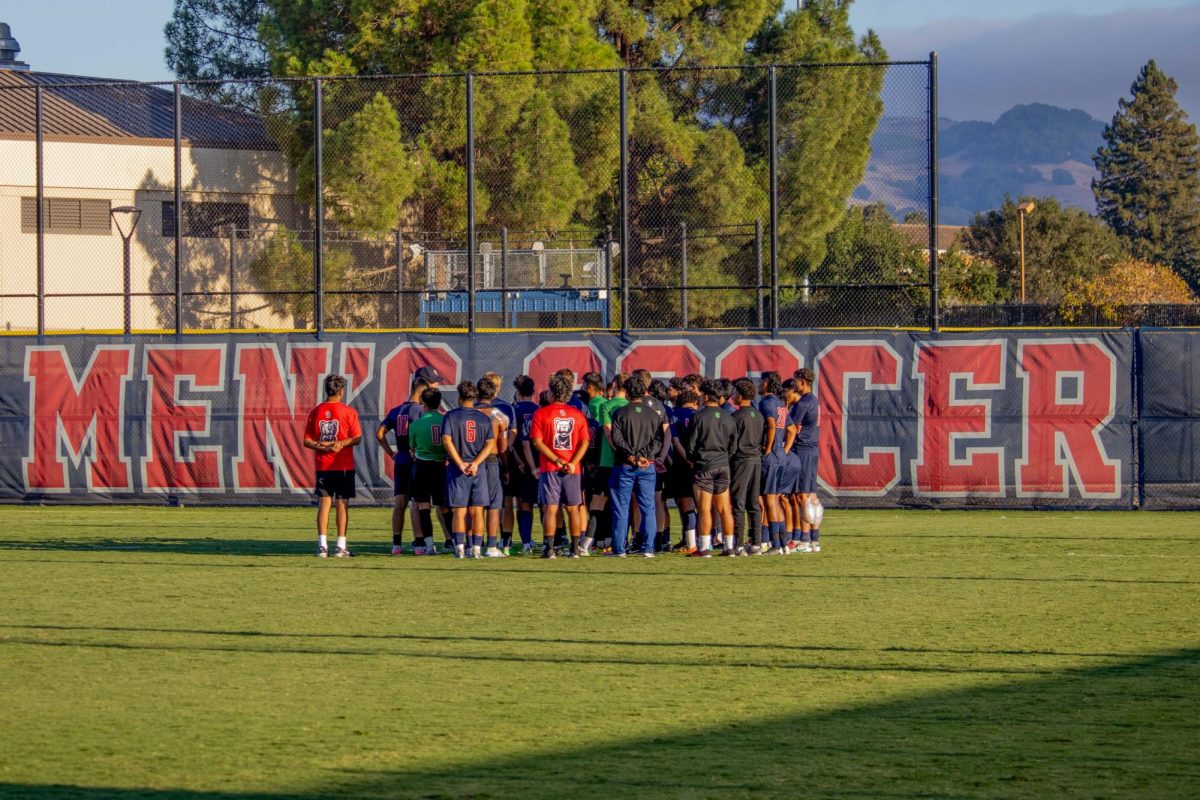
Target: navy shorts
(555, 489)
(495, 489)
(429, 483)
(402, 480)
(529, 488)
(463, 491)
(510, 479)
(774, 477)
(335, 483)
(806, 478)
(791, 473)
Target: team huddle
(736, 458)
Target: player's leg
(723, 510)
(753, 507)
(324, 502)
(620, 489)
(703, 498)
(495, 506)
(341, 507)
(549, 492)
(644, 492)
(739, 497)
(662, 517)
(597, 510)
(572, 500)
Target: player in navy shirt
(397, 422)
(523, 459)
(679, 481)
(775, 417)
(805, 420)
(469, 439)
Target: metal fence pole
(233, 309)
(40, 218)
(608, 244)
(774, 179)
(399, 278)
(470, 202)
(683, 274)
(179, 212)
(319, 222)
(758, 275)
(934, 299)
(624, 200)
(504, 277)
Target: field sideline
(204, 654)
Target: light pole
(127, 216)
(1024, 208)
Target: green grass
(204, 654)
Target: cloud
(1088, 62)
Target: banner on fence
(1028, 419)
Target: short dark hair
(487, 388)
(688, 395)
(593, 380)
(771, 379)
(788, 386)
(644, 374)
(726, 388)
(676, 383)
(711, 388)
(619, 380)
(334, 384)
(431, 399)
(635, 387)
(467, 391)
(567, 373)
(524, 385)
(694, 380)
(806, 375)
(418, 383)
(544, 398)
(659, 390)
(560, 389)
(744, 388)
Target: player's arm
(580, 452)
(452, 452)
(381, 436)
(546, 452)
(309, 441)
(488, 449)
(499, 437)
(792, 431)
(527, 454)
(768, 436)
(677, 444)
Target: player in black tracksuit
(710, 444)
(746, 464)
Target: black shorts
(402, 478)
(335, 483)
(429, 483)
(679, 481)
(713, 481)
(598, 481)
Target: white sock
(341, 543)
(690, 536)
(323, 541)
(428, 542)
(585, 545)
(706, 542)
(728, 541)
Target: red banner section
(1027, 419)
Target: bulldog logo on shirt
(329, 430)
(563, 428)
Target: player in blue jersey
(494, 466)
(774, 470)
(791, 521)
(805, 420)
(469, 439)
(397, 422)
(510, 487)
(679, 474)
(524, 461)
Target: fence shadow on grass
(1124, 729)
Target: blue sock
(689, 520)
(491, 541)
(816, 535)
(804, 537)
(525, 526)
(459, 538)
(765, 534)
(476, 541)
(796, 535)
(777, 533)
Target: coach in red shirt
(559, 433)
(332, 432)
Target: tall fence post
(504, 318)
(40, 218)
(319, 223)
(624, 200)
(179, 213)
(934, 299)
(772, 135)
(608, 246)
(759, 321)
(399, 278)
(233, 308)
(470, 202)
(683, 274)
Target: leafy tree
(1061, 245)
(217, 40)
(1148, 189)
(286, 265)
(966, 280)
(1121, 292)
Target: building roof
(94, 109)
(918, 234)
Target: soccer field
(204, 653)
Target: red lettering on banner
(396, 375)
(168, 369)
(84, 417)
(944, 418)
(751, 357)
(274, 405)
(358, 366)
(549, 357)
(665, 358)
(1070, 395)
(877, 470)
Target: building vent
(9, 48)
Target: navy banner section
(1027, 419)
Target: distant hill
(1035, 149)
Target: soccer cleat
(687, 551)
(398, 550)
(816, 547)
(614, 555)
(527, 549)
(342, 552)
(493, 552)
(322, 552)
(460, 551)
(776, 551)
(700, 554)
(758, 550)
(804, 547)
(548, 552)
(728, 553)
(792, 545)
(647, 555)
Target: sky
(992, 55)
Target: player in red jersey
(332, 432)
(560, 436)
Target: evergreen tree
(1148, 190)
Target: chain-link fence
(742, 197)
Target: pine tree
(1148, 190)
